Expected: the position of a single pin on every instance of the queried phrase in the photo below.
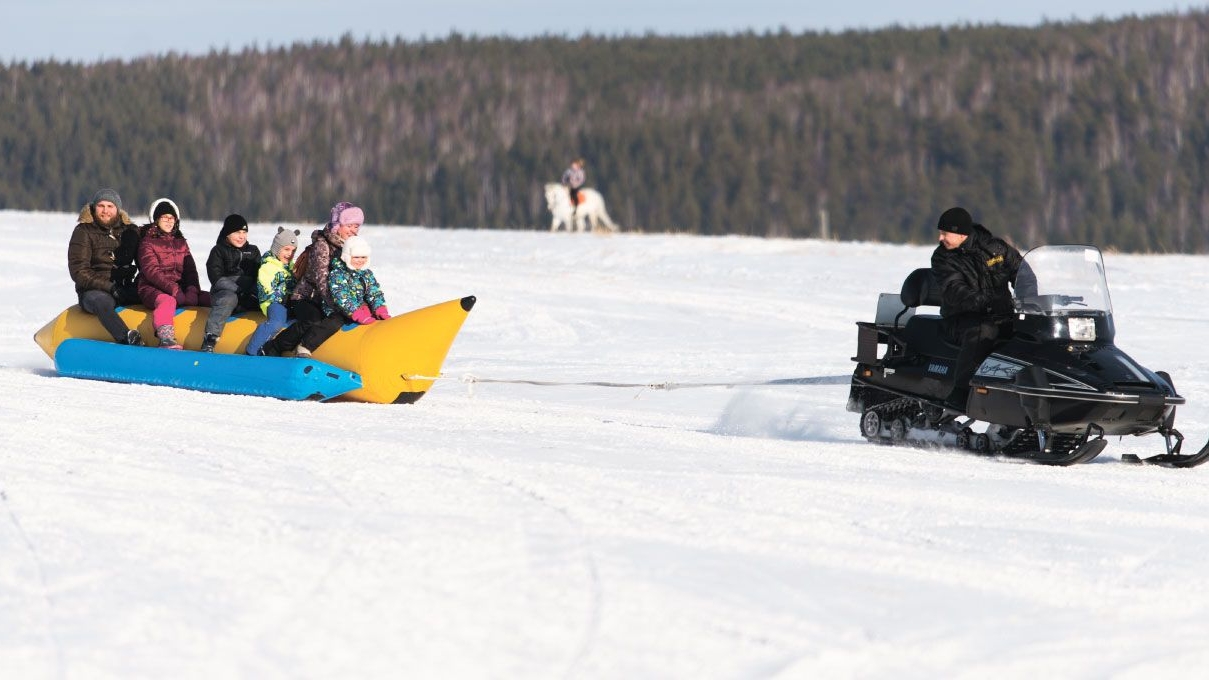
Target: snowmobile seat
(925, 333)
(920, 289)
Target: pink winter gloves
(363, 315)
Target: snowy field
(512, 530)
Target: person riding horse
(573, 179)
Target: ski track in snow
(513, 530)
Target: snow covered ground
(510, 530)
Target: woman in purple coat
(167, 272)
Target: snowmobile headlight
(1082, 329)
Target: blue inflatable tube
(283, 378)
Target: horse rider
(573, 179)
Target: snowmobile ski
(1170, 460)
(1084, 453)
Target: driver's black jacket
(974, 277)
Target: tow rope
(471, 380)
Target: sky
(567, 529)
(68, 30)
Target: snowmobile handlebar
(1071, 300)
(1048, 303)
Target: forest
(1065, 132)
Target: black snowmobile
(1051, 389)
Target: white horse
(591, 212)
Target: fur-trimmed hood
(86, 216)
(175, 209)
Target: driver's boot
(958, 398)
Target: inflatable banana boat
(397, 359)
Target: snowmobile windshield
(1062, 281)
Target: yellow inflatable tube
(397, 359)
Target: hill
(1063, 132)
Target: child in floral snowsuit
(274, 283)
(354, 289)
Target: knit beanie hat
(345, 213)
(164, 207)
(107, 194)
(353, 247)
(283, 238)
(352, 215)
(232, 224)
(956, 221)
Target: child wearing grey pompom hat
(274, 283)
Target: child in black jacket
(232, 268)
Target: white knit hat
(354, 246)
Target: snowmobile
(1051, 389)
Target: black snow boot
(269, 349)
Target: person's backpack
(303, 262)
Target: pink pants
(165, 305)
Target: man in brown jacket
(100, 259)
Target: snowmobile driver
(973, 268)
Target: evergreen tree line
(1066, 132)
